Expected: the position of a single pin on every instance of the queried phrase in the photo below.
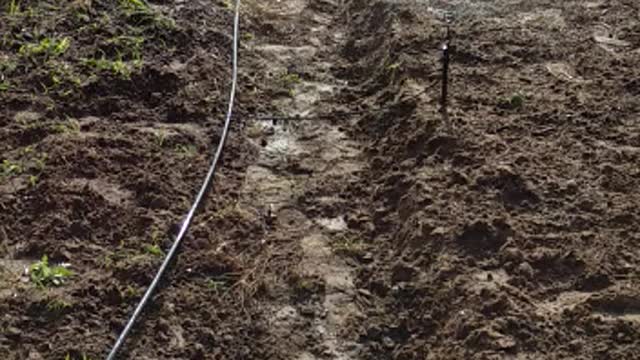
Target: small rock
(34, 355)
(13, 332)
(388, 343)
(525, 269)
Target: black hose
(198, 201)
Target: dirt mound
(355, 225)
(493, 241)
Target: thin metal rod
(198, 201)
(444, 101)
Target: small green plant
(290, 80)
(247, 36)
(393, 67)
(159, 138)
(48, 47)
(186, 151)
(135, 5)
(227, 4)
(33, 180)
(217, 283)
(154, 249)
(68, 126)
(58, 305)
(348, 246)
(14, 8)
(40, 162)
(44, 275)
(129, 293)
(128, 47)
(10, 168)
(4, 86)
(117, 67)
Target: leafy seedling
(154, 249)
(10, 168)
(44, 275)
(48, 47)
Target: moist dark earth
(510, 231)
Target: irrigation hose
(206, 186)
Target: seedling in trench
(44, 275)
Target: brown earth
(374, 232)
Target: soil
(357, 223)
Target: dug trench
(368, 231)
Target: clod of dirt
(403, 272)
(514, 190)
(482, 236)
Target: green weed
(13, 8)
(159, 138)
(58, 305)
(289, 80)
(70, 126)
(4, 86)
(44, 275)
(186, 151)
(11, 168)
(217, 283)
(117, 67)
(154, 249)
(33, 180)
(47, 47)
(130, 293)
(247, 36)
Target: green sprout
(154, 249)
(44, 275)
(46, 47)
(10, 168)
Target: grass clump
(47, 47)
(116, 67)
(44, 275)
